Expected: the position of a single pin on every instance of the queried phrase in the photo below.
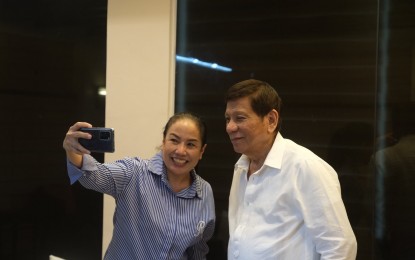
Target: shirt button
(236, 253)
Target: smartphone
(102, 140)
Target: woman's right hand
(74, 150)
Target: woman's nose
(181, 148)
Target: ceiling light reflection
(102, 91)
(198, 62)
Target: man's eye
(191, 145)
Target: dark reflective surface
(342, 70)
(394, 165)
(394, 157)
(52, 61)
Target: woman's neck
(179, 183)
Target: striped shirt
(150, 220)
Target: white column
(141, 41)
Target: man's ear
(272, 118)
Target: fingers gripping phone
(102, 140)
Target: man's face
(248, 132)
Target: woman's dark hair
(193, 117)
(263, 97)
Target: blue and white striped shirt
(150, 220)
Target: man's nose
(231, 126)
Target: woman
(164, 210)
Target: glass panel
(52, 62)
(394, 159)
(321, 57)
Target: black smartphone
(102, 140)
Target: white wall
(141, 38)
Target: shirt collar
(274, 156)
(157, 167)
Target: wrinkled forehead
(242, 104)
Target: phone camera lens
(104, 135)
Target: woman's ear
(202, 151)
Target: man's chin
(237, 149)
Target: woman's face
(182, 147)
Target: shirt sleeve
(74, 173)
(324, 213)
(108, 178)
